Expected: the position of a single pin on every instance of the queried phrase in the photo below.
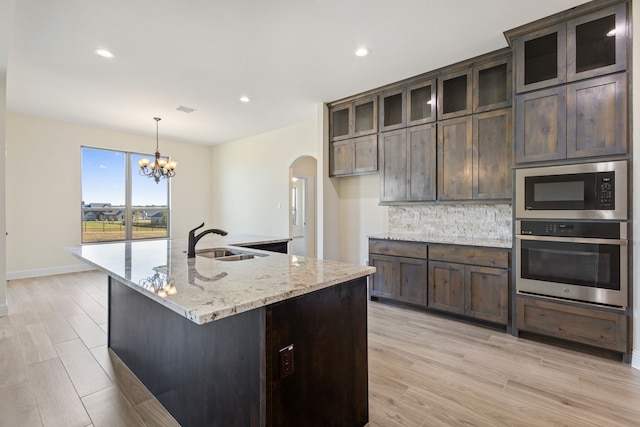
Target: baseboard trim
(635, 360)
(25, 274)
(4, 309)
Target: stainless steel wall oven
(581, 261)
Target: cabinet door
(365, 152)
(393, 113)
(421, 103)
(597, 43)
(365, 116)
(393, 166)
(340, 158)
(412, 281)
(492, 85)
(384, 279)
(487, 293)
(541, 128)
(597, 117)
(541, 58)
(455, 156)
(454, 94)
(422, 162)
(340, 123)
(492, 154)
(445, 286)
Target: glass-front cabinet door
(541, 58)
(597, 43)
(421, 103)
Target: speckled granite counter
(207, 289)
(450, 240)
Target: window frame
(128, 207)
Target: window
(117, 202)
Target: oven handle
(574, 240)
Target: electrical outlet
(286, 361)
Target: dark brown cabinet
(582, 47)
(408, 164)
(492, 154)
(455, 156)
(353, 128)
(582, 119)
(421, 103)
(492, 85)
(470, 281)
(401, 271)
(353, 156)
(393, 110)
(465, 280)
(455, 94)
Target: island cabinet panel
(328, 385)
(597, 117)
(204, 375)
(492, 154)
(455, 159)
(599, 327)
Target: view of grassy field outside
(106, 185)
(101, 231)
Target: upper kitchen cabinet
(421, 103)
(353, 119)
(492, 154)
(576, 45)
(353, 146)
(455, 156)
(541, 58)
(597, 43)
(408, 164)
(492, 85)
(455, 91)
(393, 110)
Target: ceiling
(286, 55)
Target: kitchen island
(257, 339)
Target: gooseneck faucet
(193, 238)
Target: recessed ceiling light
(363, 51)
(244, 99)
(104, 53)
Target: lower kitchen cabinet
(401, 271)
(464, 280)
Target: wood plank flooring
(424, 370)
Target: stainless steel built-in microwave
(581, 191)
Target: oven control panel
(602, 230)
(605, 189)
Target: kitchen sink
(226, 254)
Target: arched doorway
(302, 206)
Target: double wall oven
(571, 232)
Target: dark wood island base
(231, 372)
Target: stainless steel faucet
(193, 238)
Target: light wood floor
(424, 370)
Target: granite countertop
(450, 240)
(204, 289)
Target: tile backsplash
(474, 221)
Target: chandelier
(160, 168)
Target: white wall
(251, 180)
(3, 241)
(636, 185)
(360, 216)
(43, 188)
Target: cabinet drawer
(584, 325)
(395, 248)
(489, 257)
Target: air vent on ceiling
(185, 109)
